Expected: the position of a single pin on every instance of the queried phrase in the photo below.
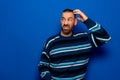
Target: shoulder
(51, 39)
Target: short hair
(69, 10)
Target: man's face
(67, 22)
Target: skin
(68, 21)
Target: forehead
(67, 14)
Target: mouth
(65, 27)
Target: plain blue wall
(26, 24)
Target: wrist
(85, 19)
(89, 23)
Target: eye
(70, 19)
(62, 19)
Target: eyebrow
(69, 17)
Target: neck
(66, 35)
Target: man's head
(68, 21)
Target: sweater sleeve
(98, 35)
(44, 66)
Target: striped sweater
(66, 58)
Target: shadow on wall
(100, 52)
(97, 54)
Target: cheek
(61, 23)
(71, 24)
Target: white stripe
(44, 73)
(93, 40)
(43, 63)
(68, 65)
(45, 54)
(52, 40)
(93, 26)
(103, 39)
(72, 65)
(79, 77)
(71, 47)
(71, 50)
(79, 34)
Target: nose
(66, 22)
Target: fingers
(77, 11)
(82, 17)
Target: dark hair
(69, 10)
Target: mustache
(65, 25)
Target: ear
(75, 22)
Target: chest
(70, 47)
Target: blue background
(26, 24)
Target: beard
(66, 30)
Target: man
(65, 56)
